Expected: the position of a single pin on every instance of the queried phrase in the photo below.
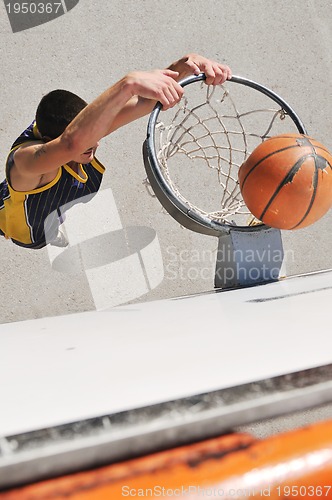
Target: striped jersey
(31, 218)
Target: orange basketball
(286, 182)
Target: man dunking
(52, 163)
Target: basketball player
(52, 163)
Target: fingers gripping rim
(175, 206)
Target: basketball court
(279, 58)
(56, 312)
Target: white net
(201, 144)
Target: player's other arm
(95, 120)
(216, 74)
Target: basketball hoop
(205, 139)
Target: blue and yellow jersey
(23, 214)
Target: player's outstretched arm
(138, 106)
(130, 98)
(94, 121)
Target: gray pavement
(286, 46)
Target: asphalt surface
(285, 46)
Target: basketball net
(209, 131)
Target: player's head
(55, 111)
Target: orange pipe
(295, 464)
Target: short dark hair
(56, 110)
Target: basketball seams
(274, 138)
(289, 178)
(317, 156)
(311, 189)
(313, 197)
(265, 158)
(317, 145)
(328, 163)
(322, 149)
(286, 180)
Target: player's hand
(216, 73)
(158, 85)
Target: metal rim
(179, 210)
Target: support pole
(249, 257)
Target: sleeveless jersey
(23, 215)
